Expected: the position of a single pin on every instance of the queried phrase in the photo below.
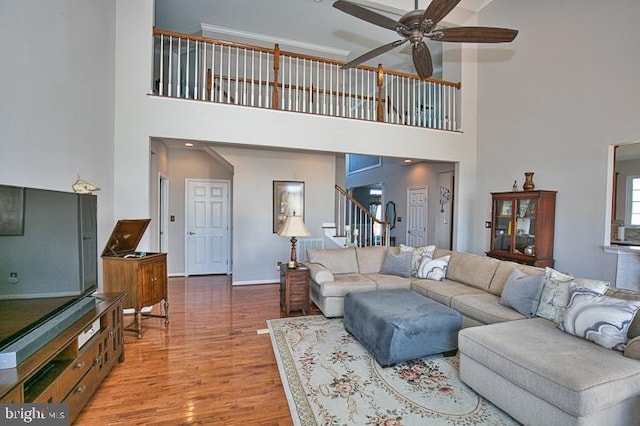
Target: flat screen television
(48, 256)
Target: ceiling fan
(417, 25)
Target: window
(633, 204)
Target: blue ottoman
(399, 325)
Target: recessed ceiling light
(408, 160)
(188, 144)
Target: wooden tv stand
(71, 366)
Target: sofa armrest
(319, 273)
(632, 349)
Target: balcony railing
(205, 69)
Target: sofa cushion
(471, 269)
(434, 269)
(397, 264)
(573, 374)
(344, 283)
(485, 308)
(337, 261)
(385, 281)
(319, 273)
(370, 259)
(632, 350)
(622, 293)
(522, 292)
(439, 252)
(418, 254)
(442, 291)
(601, 319)
(504, 270)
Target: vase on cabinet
(528, 184)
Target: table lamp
(293, 227)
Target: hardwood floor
(209, 366)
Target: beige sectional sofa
(537, 373)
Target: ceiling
(324, 30)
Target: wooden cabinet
(142, 276)
(522, 227)
(143, 279)
(294, 288)
(71, 366)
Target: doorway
(417, 202)
(207, 243)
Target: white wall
(256, 249)
(553, 105)
(57, 109)
(139, 116)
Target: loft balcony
(210, 70)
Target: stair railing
(356, 223)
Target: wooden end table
(294, 288)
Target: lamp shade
(293, 226)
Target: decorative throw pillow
(522, 292)
(434, 269)
(601, 319)
(397, 264)
(555, 294)
(598, 286)
(418, 254)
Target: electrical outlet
(13, 278)
(487, 224)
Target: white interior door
(207, 227)
(417, 216)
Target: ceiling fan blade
(438, 9)
(372, 54)
(367, 15)
(422, 59)
(474, 35)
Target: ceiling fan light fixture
(417, 25)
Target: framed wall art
(11, 210)
(288, 200)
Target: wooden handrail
(279, 53)
(360, 206)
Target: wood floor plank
(209, 366)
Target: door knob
(192, 233)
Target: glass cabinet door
(503, 227)
(525, 226)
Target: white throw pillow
(434, 269)
(598, 286)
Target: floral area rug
(330, 379)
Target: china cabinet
(522, 226)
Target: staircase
(354, 224)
